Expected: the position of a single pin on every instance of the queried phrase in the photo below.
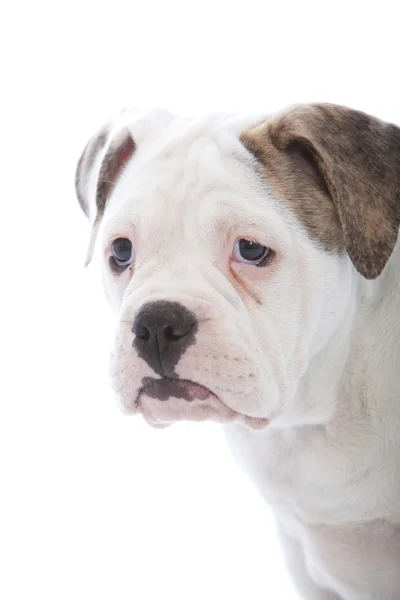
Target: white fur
(306, 343)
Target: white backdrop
(94, 504)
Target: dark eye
(122, 251)
(250, 252)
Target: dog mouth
(166, 400)
(166, 388)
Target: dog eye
(250, 252)
(122, 257)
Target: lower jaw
(173, 410)
(254, 423)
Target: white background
(94, 504)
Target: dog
(254, 267)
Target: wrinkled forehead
(193, 175)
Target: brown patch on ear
(85, 165)
(117, 156)
(338, 170)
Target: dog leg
(295, 563)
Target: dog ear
(99, 167)
(356, 158)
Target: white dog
(254, 266)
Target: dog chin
(165, 401)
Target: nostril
(169, 334)
(177, 331)
(143, 333)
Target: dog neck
(341, 430)
(357, 372)
(369, 380)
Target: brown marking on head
(338, 171)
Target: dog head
(229, 248)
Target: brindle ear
(97, 172)
(86, 168)
(357, 159)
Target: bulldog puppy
(254, 267)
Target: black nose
(163, 332)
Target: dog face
(229, 247)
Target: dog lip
(165, 387)
(168, 388)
